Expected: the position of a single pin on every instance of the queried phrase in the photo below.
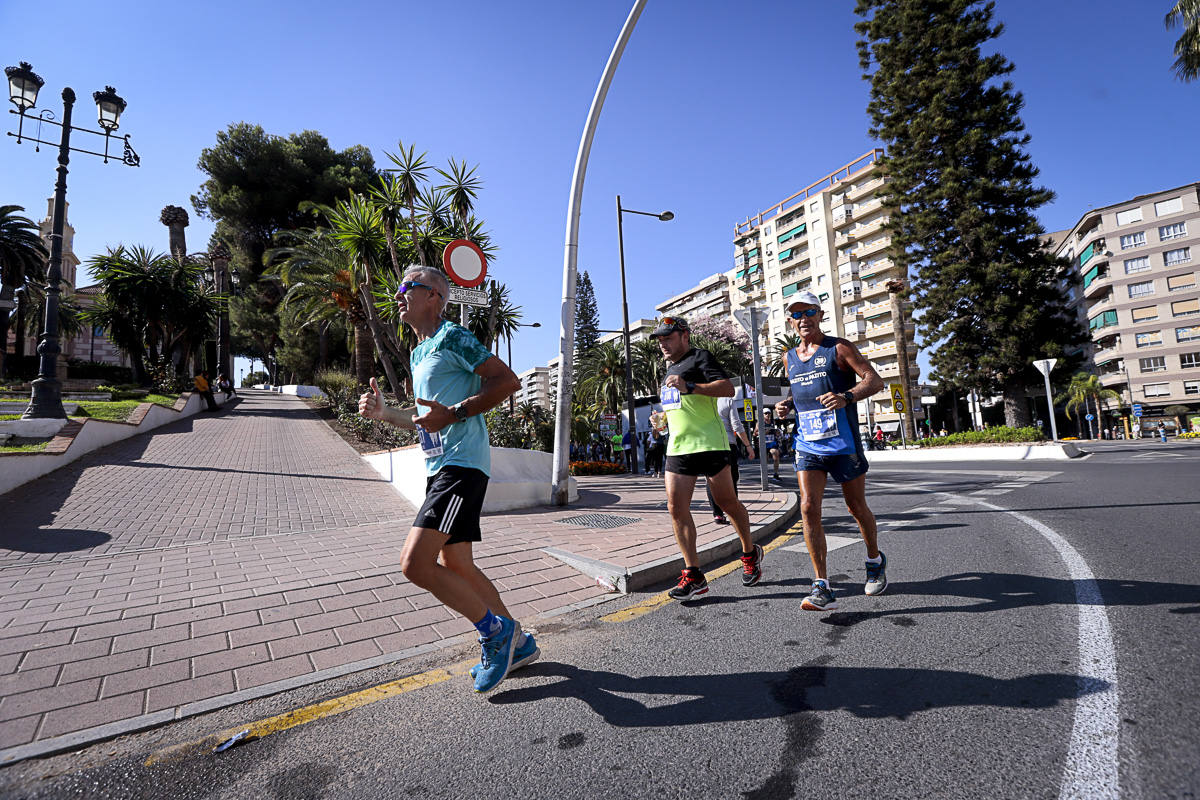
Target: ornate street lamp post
(665, 216)
(23, 87)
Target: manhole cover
(598, 520)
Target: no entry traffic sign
(465, 263)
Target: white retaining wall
(520, 478)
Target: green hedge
(1000, 435)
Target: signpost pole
(1044, 366)
(762, 403)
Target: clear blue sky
(718, 110)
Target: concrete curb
(1012, 452)
(669, 568)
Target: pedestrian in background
(200, 381)
(731, 417)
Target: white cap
(808, 298)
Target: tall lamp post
(23, 87)
(665, 216)
(512, 404)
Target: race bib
(431, 443)
(671, 399)
(815, 425)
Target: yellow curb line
(659, 600)
(337, 705)
(307, 714)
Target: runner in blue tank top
(828, 377)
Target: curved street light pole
(560, 481)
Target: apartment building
(827, 238)
(540, 384)
(1140, 296)
(710, 297)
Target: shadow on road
(862, 691)
(51, 540)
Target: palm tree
(1186, 14)
(461, 188)
(1082, 389)
(391, 203)
(411, 171)
(357, 226)
(499, 319)
(22, 261)
(321, 285)
(649, 368)
(778, 357)
(602, 372)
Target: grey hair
(435, 278)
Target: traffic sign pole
(1044, 366)
(762, 442)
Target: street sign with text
(469, 297)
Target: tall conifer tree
(989, 298)
(587, 317)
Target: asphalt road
(984, 671)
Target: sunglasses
(808, 312)
(404, 287)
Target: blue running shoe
(497, 655)
(527, 653)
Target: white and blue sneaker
(527, 653)
(497, 655)
(821, 598)
(876, 576)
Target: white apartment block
(827, 238)
(708, 298)
(1141, 297)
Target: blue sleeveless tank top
(819, 430)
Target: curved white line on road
(1091, 771)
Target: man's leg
(855, 494)
(459, 559)
(721, 486)
(419, 563)
(812, 491)
(679, 500)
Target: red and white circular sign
(465, 263)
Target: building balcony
(877, 183)
(842, 215)
(855, 328)
(875, 309)
(874, 290)
(1095, 282)
(876, 245)
(863, 231)
(849, 271)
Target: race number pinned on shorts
(431, 443)
(671, 399)
(818, 424)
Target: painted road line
(307, 714)
(831, 543)
(644, 607)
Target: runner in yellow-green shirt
(698, 446)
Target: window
(1141, 289)
(1188, 334)
(813, 206)
(1102, 320)
(1145, 313)
(1139, 264)
(767, 230)
(1180, 256)
(1174, 231)
(1189, 360)
(1149, 339)
(1183, 308)
(1130, 240)
(1153, 364)
(1177, 282)
(1172, 206)
(1129, 217)
(1191, 387)
(1156, 389)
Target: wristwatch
(460, 411)
(849, 398)
(691, 387)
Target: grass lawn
(119, 410)
(10, 416)
(23, 448)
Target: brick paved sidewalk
(244, 553)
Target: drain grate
(598, 520)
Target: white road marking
(831, 543)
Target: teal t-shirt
(443, 369)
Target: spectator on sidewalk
(200, 381)
(455, 380)
(225, 386)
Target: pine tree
(587, 318)
(962, 201)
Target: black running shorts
(453, 503)
(706, 463)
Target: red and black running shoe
(752, 566)
(692, 583)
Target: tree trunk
(3, 338)
(364, 354)
(1016, 407)
(323, 347)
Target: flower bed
(596, 468)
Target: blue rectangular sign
(1137, 409)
